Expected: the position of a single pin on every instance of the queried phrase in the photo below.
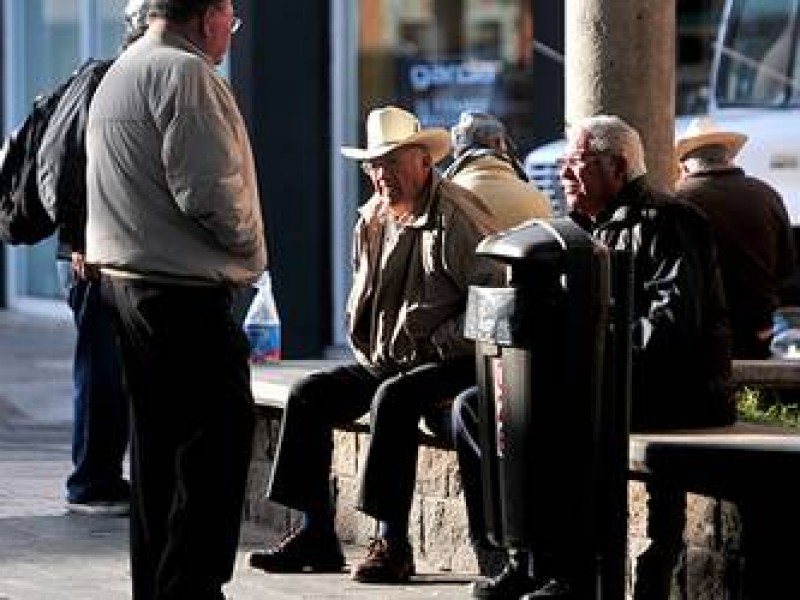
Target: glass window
(761, 54)
(45, 40)
(437, 58)
(697, 22)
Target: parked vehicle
(754, 89)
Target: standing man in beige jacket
(174, 223)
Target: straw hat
(390, 127)
(703, 131)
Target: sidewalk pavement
(48, 554)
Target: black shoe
(512, 582)
(491, 560)
(554, 589)
(302, 551)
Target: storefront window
(45, 40)
(440, 57)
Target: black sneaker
(512, 582)
(302, 551)
(555, 589)
(386, 562)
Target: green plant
(756, 406)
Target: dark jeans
(100, 420)
(465, 434)
(186, 366)
(323, 400)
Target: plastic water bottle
(786, 333)
(262, 324)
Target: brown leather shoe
(386, 562)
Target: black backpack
(61, 163)
(23, 218)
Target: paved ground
(47, 554)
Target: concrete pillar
(620, 59)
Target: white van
(755, 89)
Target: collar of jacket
(171, 38)
(372, 212)
(471, 156)
(629, 204)
(717, 172)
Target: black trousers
(186, 366)
(319, 402)
(465, 434)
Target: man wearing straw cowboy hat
(752, 229)
(413, 260)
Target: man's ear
(620, 167)
(206, 23)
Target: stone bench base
(438, 529)
(438, 525)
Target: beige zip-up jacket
(171, 181)
(411, 311)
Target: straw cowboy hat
(703, 131)
(390, 127)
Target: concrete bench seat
(748, 464)
(767, 374)
(438, 528)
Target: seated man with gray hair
(681, 346)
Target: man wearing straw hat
(413, 260)
(754, 236)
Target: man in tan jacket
(485, 164)
(413, 261)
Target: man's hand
(81, 269)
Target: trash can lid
(540, 240)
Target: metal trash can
(540, 345)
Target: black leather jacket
(61, 160)
(682, 338)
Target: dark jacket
(681, 337)
(62, 158)
(407, 308)
(756, 248)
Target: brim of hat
(732, 141)
(437, 142)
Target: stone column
(620, 59)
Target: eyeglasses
(583, 159)
(391, 161)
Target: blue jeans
(101, 413)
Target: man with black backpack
(101, 422)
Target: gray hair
(180, 11)
(712, 156)
(610, 134)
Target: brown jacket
(411, 310)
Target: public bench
(748, 464)
(438, 518)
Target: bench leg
(769, 544)
(666, 520)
